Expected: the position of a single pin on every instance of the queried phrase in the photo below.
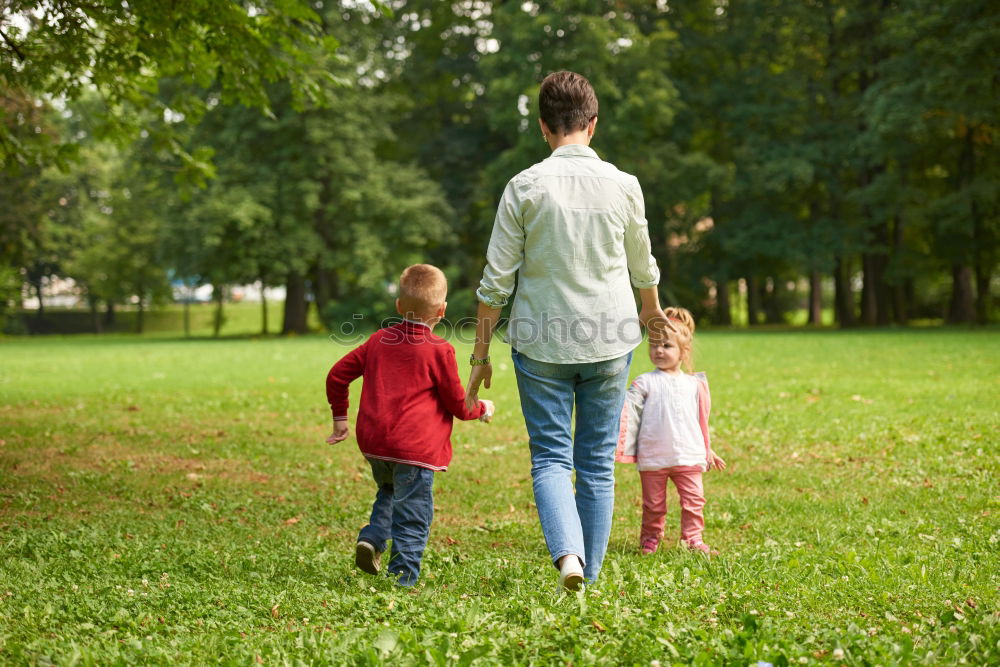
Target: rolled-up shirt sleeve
(641, 264)
(505, 253)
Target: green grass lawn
(167, 500)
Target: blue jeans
(403, 509)
(577, 523)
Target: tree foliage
(63, 49)
(779, 144)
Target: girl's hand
(487, 415)
(716, 462)
(340, 431)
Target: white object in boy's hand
(487, 415)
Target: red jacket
(409, 396)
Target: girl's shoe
(703, 548)
(649, 546)
(571, 573)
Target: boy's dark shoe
(366, 557)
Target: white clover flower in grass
(838, 654)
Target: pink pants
(687, 479)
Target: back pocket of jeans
(613, 367)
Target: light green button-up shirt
(573, 230)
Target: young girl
(665, 432)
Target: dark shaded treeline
(841, 143)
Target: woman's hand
(651, 315)
(653, 318)
(480, 375)
(716, 462)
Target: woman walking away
(572, 230)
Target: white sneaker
(571, 573)
(366, 557)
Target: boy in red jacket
(411, 393)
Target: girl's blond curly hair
(680, 328)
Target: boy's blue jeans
(403, 509)
(577, 523)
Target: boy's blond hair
(423, 289)
(680, 328)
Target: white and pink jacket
(664, 422)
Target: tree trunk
(815, 298)
(753, 301)
(900, 315)
(109, 313)
(95, 315)
(898, 289)
(772, 302)
(263, 308)
(187, 316)
(983, 276)
(295, 305)
(882, 291)
(983, 250)
(869, 298)
(322, 292)
(217, 319)
(843, 298)
(723, 309)
(875, 291)
(40, 313)
(874, 297)
(961, 308)
(141, 312)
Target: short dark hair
(566, 102)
